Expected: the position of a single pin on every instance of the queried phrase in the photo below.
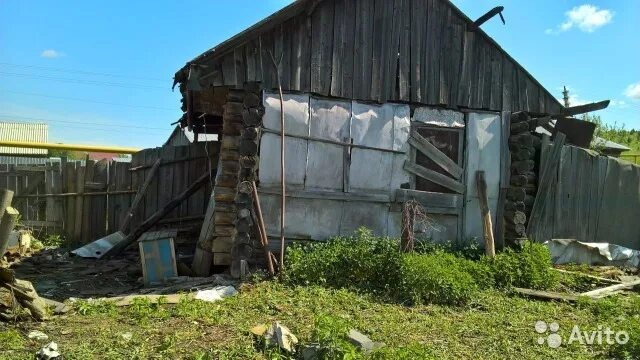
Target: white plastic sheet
(571, 251)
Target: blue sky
(101, 72)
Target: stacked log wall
(524, 146)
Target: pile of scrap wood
(18, 298)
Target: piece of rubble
(259, 330)
(362, 341)
(216, 294)
(279, 335)
(310, 353)
(38, 335)
(48, 352)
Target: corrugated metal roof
(16, 131)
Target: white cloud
(574, 98)
(619, 103)
(51, 54)
(587, 18)
(633, 91)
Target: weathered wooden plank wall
(597, 199)
(85, 200)
(30, 177)
(381, 50)
(180, 167)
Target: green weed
(95, 307)
(11, 340)
(529, 267)
(438, 278)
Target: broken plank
(139, 195)
(581, 109)
(610, 290)
(435, 177)
(424, 146)
(546, 295)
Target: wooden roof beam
(581, 109)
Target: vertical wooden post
(282, 167)
(489, 243)
(5, 208)
(77, 231)
(407, 240)
(262, 229)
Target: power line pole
(565, 96)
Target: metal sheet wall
(482, 153)
(315, 165)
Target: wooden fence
(631, 157)
(590, 198)
(86, 200)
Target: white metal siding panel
(330, 119)
(33, 132)
(482, 153)
(295, 158)
(296, 113)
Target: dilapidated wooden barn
(384, 100)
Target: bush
(439, 278)
(528, 268)
(362, 261)
(375, 265)
(464, 248)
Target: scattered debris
(311, 353)
(20, 294)
(210, 295)
(546, 295)
(38, 335)
(259, 330)
(57, 275)
(157, 254)
(362, 341)
(216, 294)
(48, 352)
(610, 290)
(596, 278)
(279, 335)
(98, 248)
(567, 251)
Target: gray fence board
(597, 199)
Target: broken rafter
(484, 18)
(581, 109)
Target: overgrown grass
(11, 340)
(361, 261)
(375, 265)
(359, 282)
(493, 325)
(529, 267)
